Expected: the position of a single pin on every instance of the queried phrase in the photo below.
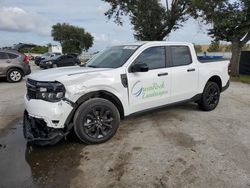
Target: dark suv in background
(47, 55)
(13, 65)
(60, 61)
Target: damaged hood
(62, 73)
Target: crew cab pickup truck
(118, 82)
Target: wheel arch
(97, 94)
(216, 79)
(10, 68)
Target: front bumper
(45, 66)
(37, 132)
(27, 69)
(54, 114)
(226, 86)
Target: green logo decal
(154, 90)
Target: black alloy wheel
(96, 121)
(210, 97)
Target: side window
(70, 57)
(154, 57)
(12, 56)
(62, 58)
(3, 55)
(181, 55)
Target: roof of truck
(141, 43)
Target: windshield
(46, 54)
(113, 57)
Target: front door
(149, 89)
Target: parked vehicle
(121, 81)
(13, 65)
(45, 56)
(59, 61)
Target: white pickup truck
(120, 81)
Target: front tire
(14, 75)
(96, 121)
(54, 65)
(210, 97)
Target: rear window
(181, 55)
(3, 55)
(12, 56)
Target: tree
(214, 46)
(150, 19)
(230, 22)
(73, 39)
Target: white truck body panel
(145, 89)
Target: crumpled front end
(37, 132)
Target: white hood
(57, 73)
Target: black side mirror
(139, 67)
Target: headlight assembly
(47, 91)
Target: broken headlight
(47, 91)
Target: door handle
(163, 74)
(191, 70)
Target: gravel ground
(173, 147)
(11, 100)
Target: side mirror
(140, 67)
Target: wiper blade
(93, 66)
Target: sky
(30, 21)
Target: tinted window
(70, 56)
(12, 56)
(3, 55)
(154, 57)
(181, 55)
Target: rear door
(150, 89)
(4, 63)
(67, 60)
(70, 60)
(61, 61)
(184, 74)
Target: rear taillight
(229, 69)
(26, 59)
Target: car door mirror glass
(140, 67)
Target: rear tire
(14, 75)
(96, 121)
(210, 97)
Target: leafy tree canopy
(230, 22)
(72, 38)
(36, 49)
(150, 19)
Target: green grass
(241, 78)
